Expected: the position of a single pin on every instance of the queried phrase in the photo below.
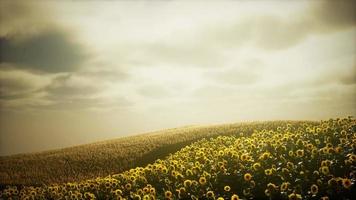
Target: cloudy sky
(75, 72)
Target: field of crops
(113, 156)
(303, 160)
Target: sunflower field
(306, 161)
(83, 162)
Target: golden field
(112, 156)
(262, 160)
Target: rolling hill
(262, 160)
(112, 156)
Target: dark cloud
(74, 92)
(66, 87)
(331, 15)
(348, 79)
(49, 51)
(12, 88)
(340, 75)
(275, 33)
(346, 76)
(15, 84)
(17, 16)
(81, 103)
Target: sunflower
(189, 172)
(128, 186)
(210, 195)
(294, 196)
(221, 153)
(107, 185)
(314, 189)
(246, 191)
(264, 156)
(338, 150)
(284, 186)
(181, 192)
(267, 192)
(353, 157)
(314, 152)
(247, 177)
(268, 172)
(300, 153)
(235, 197)
(118, 192)
(168, 194)
(256, 166)
(227, 188)
(346, 183)
(330, 150)
(317, 141)
(325, 170)
(271, 186)
(348, 162)
(136, 197)
(290, 165)
(285, 170)
(153, 191)
(202, 180)
(187, 183)
(290, 153)
(316, 173)
(244, 157)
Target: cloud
(17, 84)
(243, 73)
(342, 75)
(85, 103)
(349, 78)
(334, 15)
(77, 92)
(28, 18)
(50, 51)
(104, 71)
(154, 91)
(69, 86)
(276, 33)
(272, 32)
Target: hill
(112, 156)
(280, 161)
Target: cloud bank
(96, 70)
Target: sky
(76, 72)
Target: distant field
(265, 160)
(113, 156)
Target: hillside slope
(293, 162)
(113, 156)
